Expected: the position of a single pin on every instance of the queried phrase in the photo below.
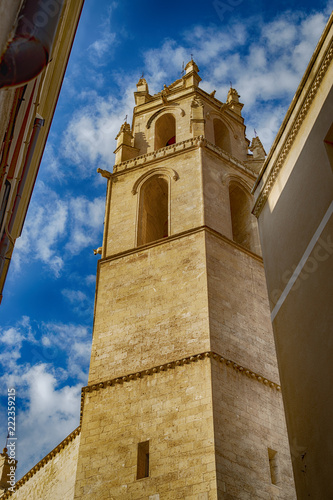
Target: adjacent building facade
(183, 398)
(35, 43)
(294, 206)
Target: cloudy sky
(46, 315)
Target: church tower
(183, 399)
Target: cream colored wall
(303, 323)
(296, 227)
(249, 419)
(240, 326)
(179, 106)
(55, 480)
(156, 308)
(217, 174)
(173, 410)
(151, 308)
(185, 200)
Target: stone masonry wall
(238, 308)
(151, 308)
(249, 419)
(185, 200)
(173, 410)
(55, 480)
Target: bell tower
(183, 399)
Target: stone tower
(183, 399)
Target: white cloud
(79, 302)
(11, 336)
(74, 341)
(265, 62)
(100, 50)
(74, 295)
(281, 33)
(85, 224)
(72, 222)
(48, 396)
(11, 340)
(51, 414)
(90, 136)
(45, 225)
(90, 279)
(51, 162)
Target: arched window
(244, 228)
(153, 210)
(221, 135)
(165, 131)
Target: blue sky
(46, 315)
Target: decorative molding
(164, 110)
(42, 462)
(179, 147)
(295, 127)
(176, 236)
(172, 365)
(170, 172)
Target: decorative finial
(191, 57)
(255, 132)
(230, 84)
(143, 74)
(183, 68)
(126, 119)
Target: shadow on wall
(244, 224)
(221, 135)
(153, 210)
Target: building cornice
(174, 365)
(294, 118)
(177, 236)
(175, 149)
(43, 462)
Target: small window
(171, 141)
(240, 215)
(165, 131)
(273, 466)
(143, 460)
(221, 135)
(153, 210)
(244, 224)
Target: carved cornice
(173, 365)
(180, 147)
(294, 129)
(42, 462)
(177, 236)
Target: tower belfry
(183, 399)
